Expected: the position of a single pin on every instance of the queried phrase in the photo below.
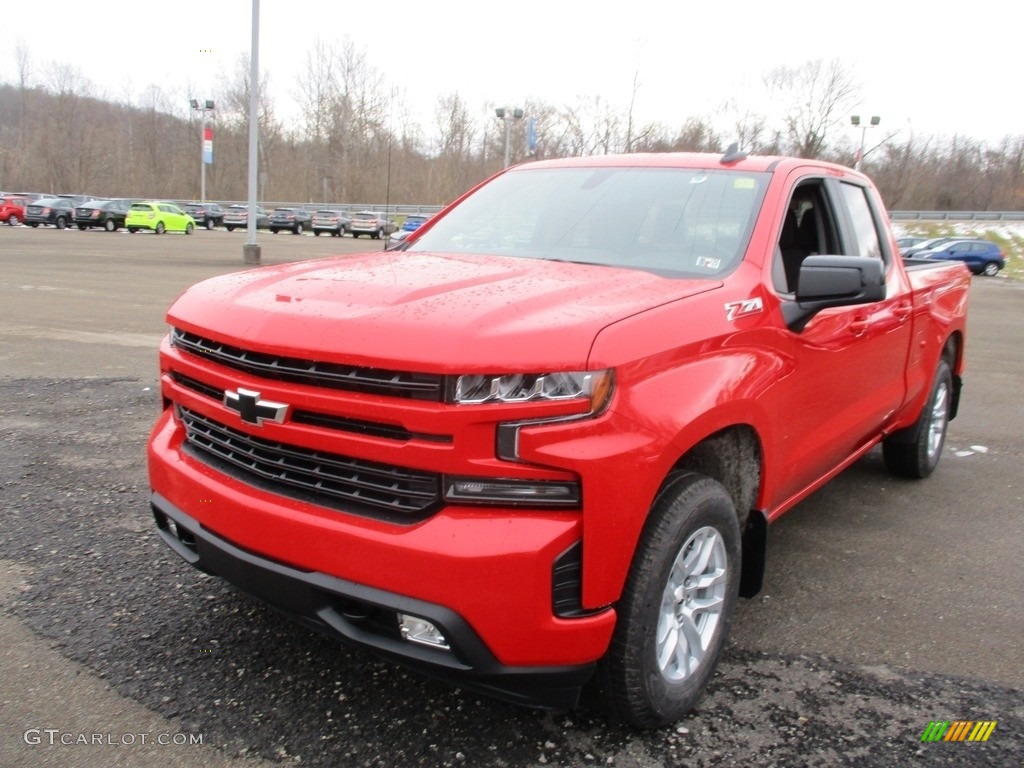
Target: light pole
(507, 115)
(205, 144)
(855, 121)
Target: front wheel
(189, 228)
(110, 225)
(677, 604)
(132, 230)
(82, 227)
(915, 451)
(229, 229)
(991, 269)
(355, 234)
(61, 222)
(12, 220)
(210, 224)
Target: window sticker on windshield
(708, 262)
(743, 183)
(698, 179)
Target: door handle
(858, 327)
(902, 311)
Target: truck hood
(430, 312)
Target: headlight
(475, 389)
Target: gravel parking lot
(888, 604)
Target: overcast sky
(938, 68)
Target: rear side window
(865, 230)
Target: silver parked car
(376, 225)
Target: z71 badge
(736, 309)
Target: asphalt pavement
(888, 604)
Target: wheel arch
(734, 457)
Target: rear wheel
(61, 222)
(82, 227)
(355, 234)
(110, 225)
(160, 228)
(229, 229)
(377, 235)
(677, 605)
(316, 233)
(298, 229)
(12, 220)
(33, 224)
(132, 230)
(991, 269)
(915, 452)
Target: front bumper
(363, 615)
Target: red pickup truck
(542, 442)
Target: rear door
(847, 365)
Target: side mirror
(833, 281)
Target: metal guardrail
(405, 210)
(956, 215)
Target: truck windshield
(671, 221)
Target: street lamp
(205, 143)
(508, 114)
(855, 121)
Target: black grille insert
(372, 489)
(417, 386)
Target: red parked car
(12, 210)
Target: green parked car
(160, 217)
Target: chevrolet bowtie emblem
(252, 409)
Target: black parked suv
(56, 211)
(207, 215)
(295, 219)
(108, 214)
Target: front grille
(417, 386)
(383, 491)
(325, 420)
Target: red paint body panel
(690, 357)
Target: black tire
(230, 228)
(12, 220)
(642, 684)
(378, 234)
(160, 228)
(33, 224)
(210, 224)
(82, 227)
(132, 230)
(991, 269)
(61, 222)
(273, 230)
(110, 225)
(915, 451)
(298, 229)
(189, 228)
(355, 234)
(316, 233)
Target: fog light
(417, 630)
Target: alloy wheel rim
(692, 604)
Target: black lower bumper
(362, 615)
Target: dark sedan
(108, 214)
(207, 215)
(237, 217)
(54, 211)
(296, 220)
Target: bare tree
(816, 97)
